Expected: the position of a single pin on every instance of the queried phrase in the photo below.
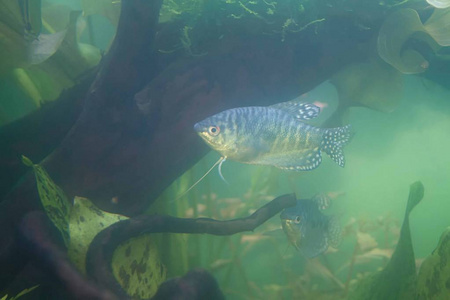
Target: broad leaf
(86, 220)
(53, 199)
(434, 275)
(137, 267)
(398, 279)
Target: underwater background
(399, 111)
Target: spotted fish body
(273, 135)
(308, 229)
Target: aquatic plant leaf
(416, 192)
(438, 26)
(398, 279)
(398, 28)
(27, 85)
(55, 16)
(46, 80)
(86, 220)
(53, 199)
(375, 85)
(107, 8)
(12, 41)
(439, 3)
(31, 16)
(137, 267)
(434, 274)
(24, 292)
(44, 46)
(74, 61)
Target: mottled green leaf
(433, 282)
(53, 199)
(137, 267)
(135, 263)
(86, 220)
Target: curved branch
(101, 250)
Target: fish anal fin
(293, 161)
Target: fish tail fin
(333, 140)
(334, 231)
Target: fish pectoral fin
(295, 160)
(314, 243)
(301, 111)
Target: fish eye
(214, 130)
(297, 219)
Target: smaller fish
(308, 229)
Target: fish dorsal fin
(322, 200)
(301, 111)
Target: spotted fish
(308, 229)
(274, 135)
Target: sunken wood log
(101, 250)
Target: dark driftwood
(101, 250)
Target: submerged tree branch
(101, 250)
